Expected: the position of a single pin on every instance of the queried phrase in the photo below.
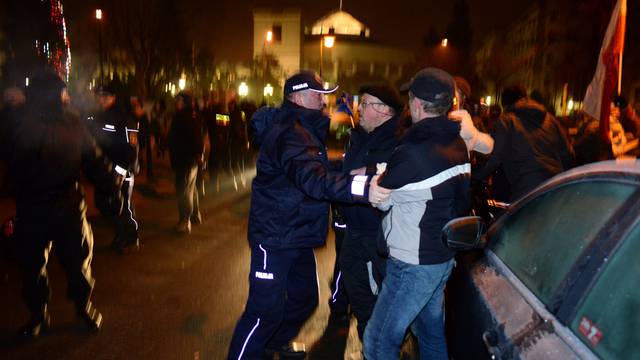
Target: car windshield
(543, 239)
(607, 321)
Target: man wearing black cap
(381, 118)
(288, 218)
(429, 174)
(116, 133)
(50, 148)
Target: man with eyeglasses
(381, 117)
(289, 215)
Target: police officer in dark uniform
(116, 133)
(50, 148)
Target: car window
(542, 240)
(607, 321)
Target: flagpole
(620, 75)
(623, 12)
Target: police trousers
(283, 293)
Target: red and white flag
(605, 83)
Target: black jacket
(48, 157)
(293, 184)
(366, 150)
(531, 145)
(186, 139)
(116, 133)
(429, 174)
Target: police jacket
(429, 174)
(366, 150)
(293, 184)
(116, 133)
(48, 156)
(531, 146)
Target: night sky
(225, 26)
(401, 22)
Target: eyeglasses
(364, 104)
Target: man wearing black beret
(381, 117)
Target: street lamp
(325, 41)
(182, 83)
(267, 92)
(444, 42)
(243, 89)
(269, 36)
(99, 18)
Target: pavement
(178, 298)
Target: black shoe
(196, 219)
(291, 351)
(35, 326)
(91, 317)
(130, 247)
(117, 244)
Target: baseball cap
(305, 80)
(433, 85)
(385, 93)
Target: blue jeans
(412, 296)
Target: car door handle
(490, 340)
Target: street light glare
(445, 42)
(243, 89)
(99, 14)
(268, 90)
(329, 41)
(182, 83)
(269, 36)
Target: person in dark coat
(144, 135)
(289, 217)
(186, 150)
(372, 142)
(116, 133)
(530, 144)
(51, 148)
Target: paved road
(177, 299)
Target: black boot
(91, 317)
(130, 247)
(37, 324)
(289, 351)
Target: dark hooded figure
(186, 149)
(530, 144)
(50, 149)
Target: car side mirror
(464, 233)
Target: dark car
(557, 276)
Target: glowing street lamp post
(243, 89)
(325, 41)
(99, 18)
(267, 92)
